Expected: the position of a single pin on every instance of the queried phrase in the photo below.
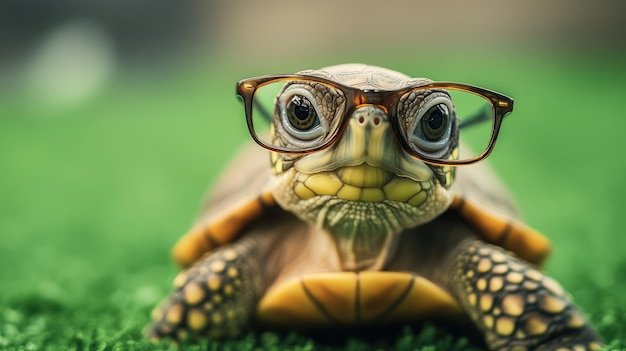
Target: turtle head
(364, 152)
(364, 187)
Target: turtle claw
(211, 299)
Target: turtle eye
(301, 114)
(300, 117)
(432, 127)
(434, 122)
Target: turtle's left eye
(434, 122)
(301, 114)
(300, 117)
(432, 127)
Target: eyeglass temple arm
(264, 112)
(480, 116)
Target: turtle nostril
(369, 117)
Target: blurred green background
(115, 118)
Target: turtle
(361, 208)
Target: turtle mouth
(362, 183)
(364, 176)
(364, 169)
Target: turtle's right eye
(299, 117)
(301, 114)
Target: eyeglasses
(300, 114)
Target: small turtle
(361, 218)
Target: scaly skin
(514, 305)
(213, 298)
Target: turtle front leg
(515, 306)
(214, 298)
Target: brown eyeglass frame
(388, 99)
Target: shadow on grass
(423, 336)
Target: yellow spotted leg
(515, 306)
(212, 298)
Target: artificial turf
(92, 197)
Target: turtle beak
(369, 140)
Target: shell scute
(348, 298)
(514, 236)
(221, 230)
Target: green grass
(92, 197)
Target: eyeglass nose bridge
(371, 97)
